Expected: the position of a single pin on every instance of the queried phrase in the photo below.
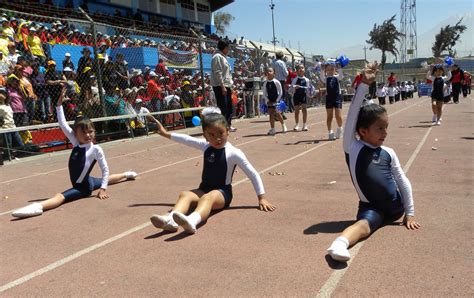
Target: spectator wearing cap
(115, 106)
(140, 109)
(67, 62)
(137, 79)
(22, 35)
(53, 81)
(12, 55)
(13, 139)
(121, 70)
(154, 92)
(35, 46)
(7, 29)
(41, 90)
(103, 51)
(221, 81)
(15, 94)
(83, 74)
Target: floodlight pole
(274, 41)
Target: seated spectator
(53, 81)
(12, 56)
(4, 64)
(67, 62)
(7, 30)
(121, 70)
(137, 79)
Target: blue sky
(328, 26)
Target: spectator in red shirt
(392, 79)
(457, 79)
(161, 69)
(154, 92)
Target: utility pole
(365, 53)
(274, 41)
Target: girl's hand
(410, 223)
(368, 74)
(264, 205)
(102, 194)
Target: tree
(446, 39)
(222, 21)
(384, 37)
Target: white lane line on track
(89, 249)
(128, 154)
(330, 285)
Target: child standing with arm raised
(333, 98)
(384, 191)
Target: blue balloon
(281, 107)
(263, 108)
(196, 121)
(42, 70)
(343, 61)
(449, 60)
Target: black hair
(369, 114)
(222, 44)
(213, 119)
(436, 67)
(83, 123)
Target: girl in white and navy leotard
(384, 190)
(215, 189)
(84, 156)
(272, 93)
(333, 98)
(436, 75)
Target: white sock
(342, 240)
(194, 218)
(171, 220)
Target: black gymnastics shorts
(334, 103)
(226, 191)
(378, 217)
(82, 190)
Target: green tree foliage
(222, 21)
(446, 39)
(384, 37)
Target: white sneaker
(438, 123)
(183, 221)
(305, 127)
(296, 128)
(163, 222)
(271, 132)
(339, 252)
(338, 133)
(130, 175)
(331, 135)
(232, 129)
(28, 211)
(284, 128)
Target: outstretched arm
(368, 76)
(67, 130)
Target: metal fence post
(292, 58)
(201, 66)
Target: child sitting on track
(272, 93)
(215, 190)
(384, 190)
(83, 157)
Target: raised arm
(67, 130)
(368, 76)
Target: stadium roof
(218, 4)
